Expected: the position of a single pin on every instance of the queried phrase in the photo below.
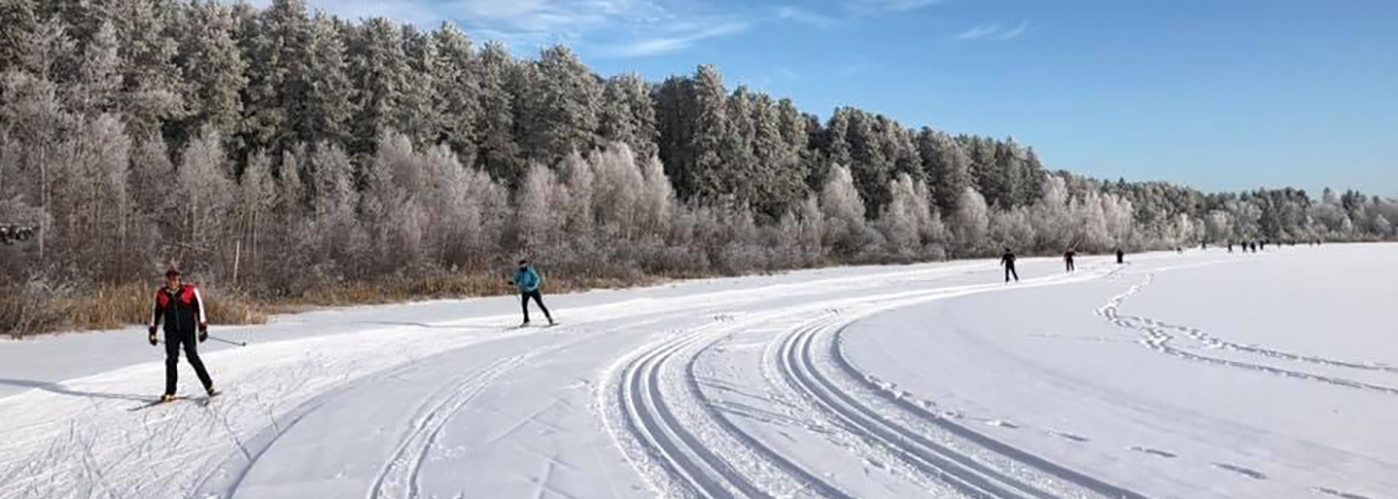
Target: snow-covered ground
(1199, 375)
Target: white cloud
(681, 39)
(628, 28)
(803, 16)
(881, 6)
(992, 32)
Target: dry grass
(37, 308)
(27, 310)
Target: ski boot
(167, 398)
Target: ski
(202, 401)
(156, 402)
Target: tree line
(283, 148)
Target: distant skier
(1008, 260)
(181, 308)
(1068, 260)
(1120, 256)
(529, 282)
(1230, 246)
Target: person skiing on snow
(181, 308)
(528, 281)
(1068, 260)
(1008, 260)
(1120, 256)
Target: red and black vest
(182, 310)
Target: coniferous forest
(285, 154)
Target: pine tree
(627, 115)
(213, 63)
(562, 106)
(19, 41)
(777, 176)
(702, 175)
(98, 85)
(420, 113)
(871, 167)
(458, 91)
(499, 153)
(379, 70)
(740, 173)
(947, 168)
(329, 106)
(278, 72)
(672, 108)
(151, 82)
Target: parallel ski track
(405, 468)
(224, 479)
(652, 422)
(837, 353)
(961, 472)
(797, 359)
(648, 417)
(1156, 336)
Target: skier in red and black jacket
(181, 308)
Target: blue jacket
(528, 280)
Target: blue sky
(1217, 94)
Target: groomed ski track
(724, 388)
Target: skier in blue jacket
(528, 281)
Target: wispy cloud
(681, 40)
(992, 32)
(804, 16)
(882, 6)
(626, 28)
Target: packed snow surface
(1195, 375)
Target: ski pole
(230, 342)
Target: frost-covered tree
(151, 82)
(498, 153)
(214, 70)
(903, 218)
(329, 105)
(972, 222)
(458, 91)
(1052, 219)
(205, 178)
(628, 115)
(539, 215)
(843, 209)
(562, 107)
(946, 167)
(701, 173)
(98, 85)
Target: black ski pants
(173, 342)
(1010, 271)
(539, 299)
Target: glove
(512, 283)
(151, 337)
(203, 332)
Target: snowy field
(1194, 375)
